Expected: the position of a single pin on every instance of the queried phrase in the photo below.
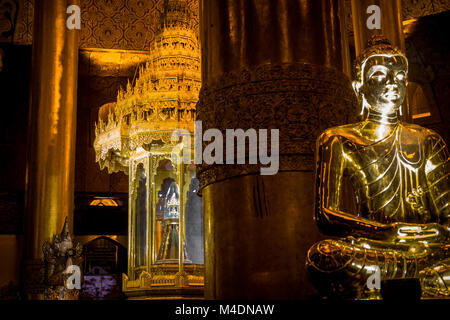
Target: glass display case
(165, 224)
(134, 135)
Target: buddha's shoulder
(352, 133)
(343, 133)
(410, 131)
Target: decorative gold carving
(162, 100)
(166, 276)
(123, 24)
(111, 62)
(298, 99)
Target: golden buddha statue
(396, 175)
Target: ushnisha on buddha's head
(380, 77)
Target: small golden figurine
(382, 188)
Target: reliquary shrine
(134, 135)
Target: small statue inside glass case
(396, 175)
(169, 250)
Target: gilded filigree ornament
(162, 99)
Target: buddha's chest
(390, 180)
(383, 155)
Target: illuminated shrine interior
(143, 219)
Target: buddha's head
(380, 76)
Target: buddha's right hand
(407, 232)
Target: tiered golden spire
(163, 97)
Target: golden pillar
(274, 64)
(52, 123)
(365, 23)
(365, 18)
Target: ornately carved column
(52, 123)
(272, 64)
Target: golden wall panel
(121, 24)
(130, 24)
(110, 24)
(20, 22)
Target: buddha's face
(384, 82)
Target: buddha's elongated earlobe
(400, 110)
(356, 87)
(364, 105)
